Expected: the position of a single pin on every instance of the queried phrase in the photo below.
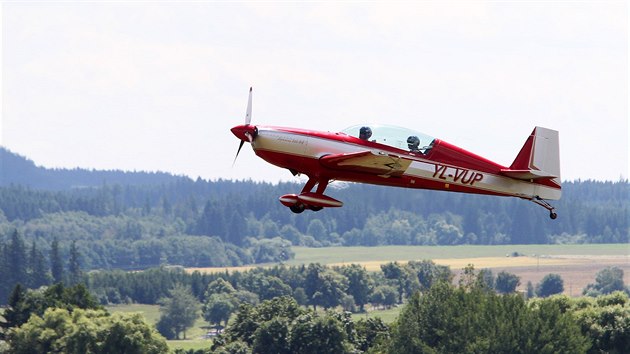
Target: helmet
(365, 133)
(413, 142)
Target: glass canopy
(400, 138)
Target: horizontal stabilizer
(526, 174)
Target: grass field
(388, 315)
(304, 255)
(151, 313)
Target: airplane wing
(381, 164)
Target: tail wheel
(553, 215)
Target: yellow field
(222, 269)
(454, 263)
(480, 262)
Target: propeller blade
(248, 114)
(238, 151)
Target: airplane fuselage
(443, 167)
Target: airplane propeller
(248, 113)
(247, 134)
(238, 151)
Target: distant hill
(19, 170)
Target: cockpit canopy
(400, 138)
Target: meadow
(194, 335)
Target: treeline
(445, 318)
(316, 285)
(590, 212)
(351, 287)
(225, 223)
(44, 261)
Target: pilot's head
(365, 133)
(413, 143)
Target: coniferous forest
(139, 220)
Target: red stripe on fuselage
(312, 168)
(441, 154)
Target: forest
(158, 219)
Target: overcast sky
(157, 86)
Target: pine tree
(56, 266)
(74, 267)
(13, 314)
(38, 272)
(16, 261)
(4, 281)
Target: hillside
(19, 170)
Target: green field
(388, 315)
(328, 255)
(151, 313)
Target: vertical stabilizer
(539, 157)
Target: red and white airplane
(399, 157)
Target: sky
(156, 86)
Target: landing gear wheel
(553, 215)
(315, 208)
(297, 208)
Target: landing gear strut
(314, 201)
(552, 211)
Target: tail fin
(539, 158)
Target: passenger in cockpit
(365, 133)
(413, 143)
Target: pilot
(365, 133)
(413, 143)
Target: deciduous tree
(607, 280)
(179, 311)
(549, 285)
(86, 331)
(507, 282)
(219, 307)
(359, 284)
